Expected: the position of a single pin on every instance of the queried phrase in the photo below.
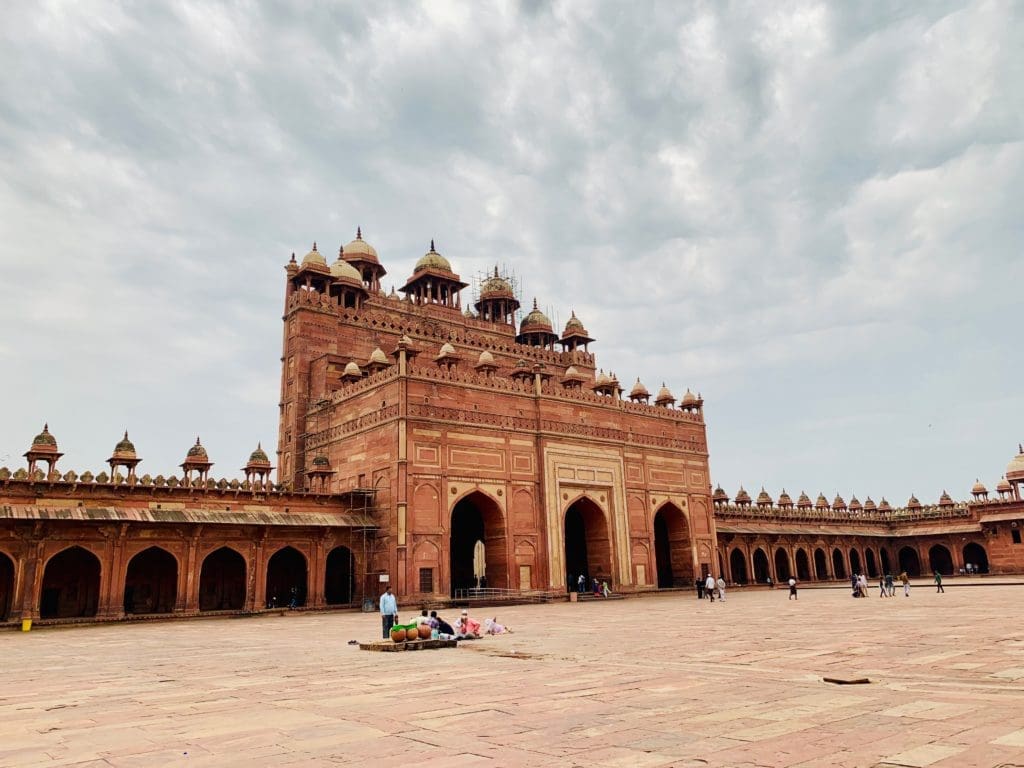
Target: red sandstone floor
(663, 681)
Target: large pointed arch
(762, 571)
(339, 576)
(222, 581)
(588, 550)
(6, 585)
(71, 585)
(287, 578)
(673, 551)
(151, 582)
(738, 566)
(477, 517)
(910, 562)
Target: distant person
(938, 582)
(970, 569)
(890, 585)
(721, 588)
(581, 584)
(770, 583)
(388, 611)
(882, 591)
(862, 584)
(604, 589)
(709, 587)
(905, 581)
(423, 618)
(293, 603)
(597, 588)
(699, 583)
(441, 625)
(492, 627)
(792, 589)
(467, 628)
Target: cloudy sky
(810, 212)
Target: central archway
(738, 567)
(975, 554)
(286, 578)
(478, 518)
(672, 550)
(339, 581)
(71, 585)
(6, 586)
(588, 549)
(151, 582)
(939, 559)
(222, 581)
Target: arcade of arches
(91, 580)
(752, 559)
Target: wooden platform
(409, 645)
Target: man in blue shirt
(388, 611)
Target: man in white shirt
(792, 589)
(721, 588)
(709, 587)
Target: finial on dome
(495, 270)
(534, 302)
(314, 245)
(432, 246)
(341, 251)
(126, 434)
(293, 257)
(46, 427)
(359, 233)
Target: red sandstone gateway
(443, 449)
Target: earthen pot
(424, 630)
(398, 635)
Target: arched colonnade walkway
(754, 559)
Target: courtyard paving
(657, 681)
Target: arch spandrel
(465, 491)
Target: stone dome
(447, 349)
(378, 356)
(259, 456)
(804, 502)
(639, 390)
(602, 378)
(913, 503)
(314, 259)
(742, 497)
(574, 327)
(496, 287)
(342, 270)
(720, 495)
(869, 505)
(838, 502)
(979, 487)
(1003, 486)
(486, 358)
(822, 502)
(855, 505)
(884, 506)
(1015, 469)
(763, 497)
(352, 369)
(44, 439)
(572, 373)
(360, 250)
(785, 500)
(945, 500)
(197, 452)
(664, 395)
(124, 448)
(320, 461)
(535, 321)
(433, 260)
(689, 398)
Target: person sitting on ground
(423, 618)
(467, 627)
(597, 588)
(492, 627)
(604, 589)
(441, 625)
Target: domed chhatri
(125, 448)
(855, 505)
(838, 503)
(124, 456)
(1015, 469)
(496, 287)
(342, 270)
(639, 392)
(945, 500)
(822, 502)
(257, 469)
(742, 497)
(884, 506)
(314, 259)
(44, 440)
(869, 505)
(360, 250)
(763, 499)
(44, 448)
(665, 398)
(197, 461)
(720, 496)
(432, 260)
(804, 502)
(197, 452)
(259, 456)
(351, 372)
(575, 335)
(913, 503)
(785, 500)
(535, 321)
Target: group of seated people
(465, 628)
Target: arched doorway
(151, 582)
(838, 567)
(940, 559)
(738, 567)
(477, 518)
(820, 564)
(975, 554)
(339, 581)
(781, 565)
(803, 566)
(672, 550)
(222, 581)
(286, 578)
(71, 585)
(886, 564)
(587, 544)
(761, 572)
(6, 586)
(909, 561)
(855, 562)
(872, 566)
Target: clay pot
(424, 631)
(398, 635)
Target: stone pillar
(188, 598)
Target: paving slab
(656, 681)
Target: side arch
(71, 585)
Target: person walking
(581, 584)
(709, 587)
(792, 589)
(721, 588)
(890, 585)
(388, 611)
(882, 591)
(699, 582)
(938, 582)
(905, 581)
